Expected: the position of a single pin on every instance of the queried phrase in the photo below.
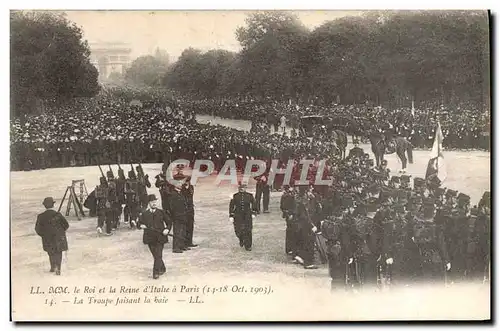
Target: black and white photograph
(259, 165)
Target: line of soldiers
(116, 196)
(374, 229)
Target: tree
(147, 70)
(49, 61)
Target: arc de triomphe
(110, 58)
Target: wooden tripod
(72, 200)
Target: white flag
(436, 165)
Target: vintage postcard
(250, 165)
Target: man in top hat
(242, 210)
(156, 225)
(52, 226)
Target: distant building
(110, 58)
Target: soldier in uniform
(120, 191)
(131, 210)
(163, 187)
(306, 229)
(179, 214)
(262, 191)
(287, 206)
(114, 201)
(428, 235)
(156, 225)
(144, 184)
(104, 213)
(188, 193)
(242, 210)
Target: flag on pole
(436, 166)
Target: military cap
(439, 191)
(395, 179)
(405, 179)
(152, 197)
(417, 182)
(474, 211)
(451, 193)
(242, 185)
(463, 197)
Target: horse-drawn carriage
(312, 124)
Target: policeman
(242, 210)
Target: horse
(402, 146)
(340, 139)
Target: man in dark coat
(51, 226)
(156, 225)
(262, 192)
(188, 193)
(242, 209)
(178, 213)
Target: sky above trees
(177, 30)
